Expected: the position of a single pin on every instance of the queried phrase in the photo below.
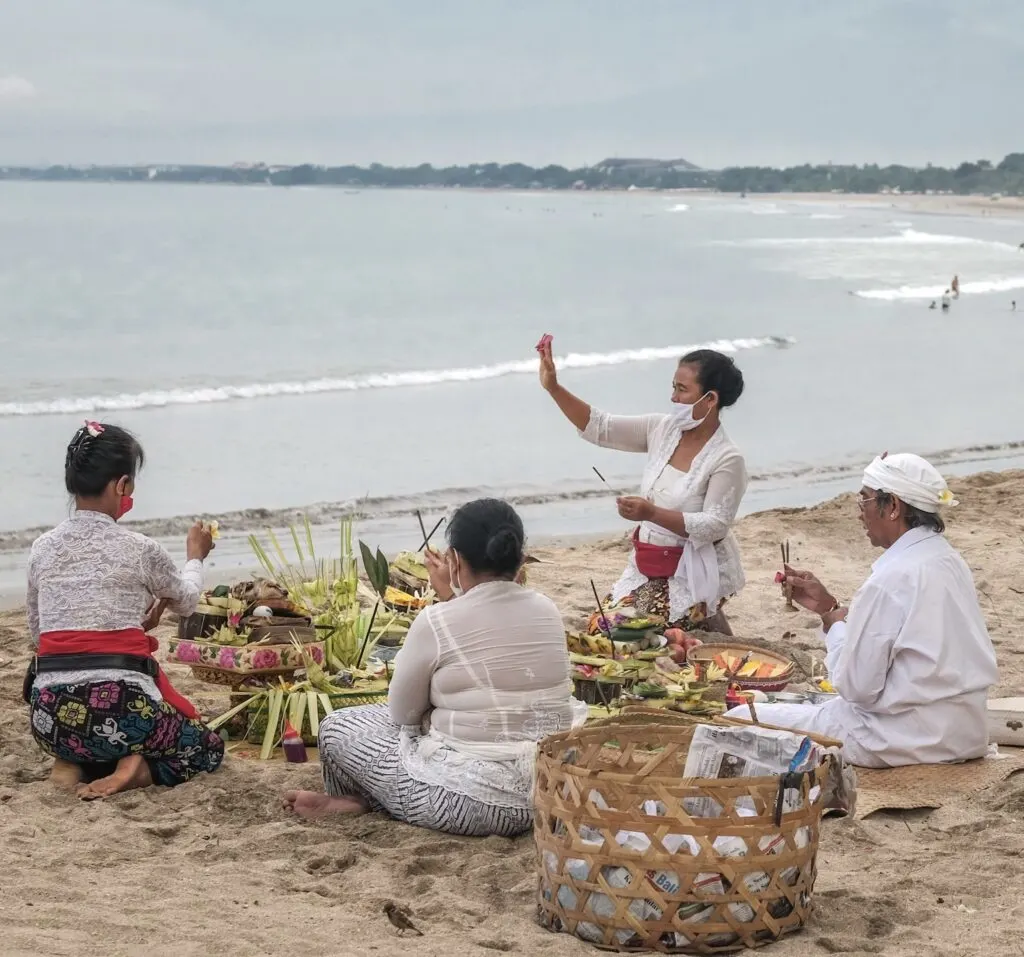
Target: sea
(282, 352)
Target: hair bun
(505, 546)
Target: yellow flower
(946, 498)
(72, 714)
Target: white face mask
(682, 415)
(457, 589)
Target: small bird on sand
(399, 916)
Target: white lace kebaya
(90, 574)
(708, 496)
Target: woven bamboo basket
(734, 881)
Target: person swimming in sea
(933, 305)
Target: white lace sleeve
(721, 501)
(32, 603)
(181, 589)
(625, 433)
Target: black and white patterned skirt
(360, 756)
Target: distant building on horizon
(633, 165)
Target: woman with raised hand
(685, 562)
(483, 675)
(100, 704)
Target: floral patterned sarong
(97, 724)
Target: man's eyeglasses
(861, 502)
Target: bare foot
(131, 772)
(65, 775)
(311, 805)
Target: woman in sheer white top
(483, 675)
(685, 561)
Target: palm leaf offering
(377, 569)
(350, 619)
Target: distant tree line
(982, 176)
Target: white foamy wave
(827, 216)
(678, 208)
(906, 237)
(388, 380)
(935, 292)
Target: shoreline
(953, 204)
(587, 519)
(1006, 207)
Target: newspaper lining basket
(593, 783)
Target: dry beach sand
(216, 867)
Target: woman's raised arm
(573, 408)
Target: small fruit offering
(780, 578)
(545, 340)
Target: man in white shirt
(911, 657)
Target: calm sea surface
(277, 348)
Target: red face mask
(127, 502)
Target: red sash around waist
(130, 641)
(656, 561)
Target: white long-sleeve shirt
(913, 663)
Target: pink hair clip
(93, 428)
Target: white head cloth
(911, 479)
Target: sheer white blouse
(479, 680)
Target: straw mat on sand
(931, 785)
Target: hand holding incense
(787, 588)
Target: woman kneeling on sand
(482, 677)
(100, 703)
(685, 562)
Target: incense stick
(433, 531)
(607, 629)
(602, 478)
(423, 529)
(787, 588)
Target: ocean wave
(934, 292)
(678, 208)
(385, 380)
(906, 237)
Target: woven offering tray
(734, 651)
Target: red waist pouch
(656, 561)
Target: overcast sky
(719, 82)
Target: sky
(401, 82)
